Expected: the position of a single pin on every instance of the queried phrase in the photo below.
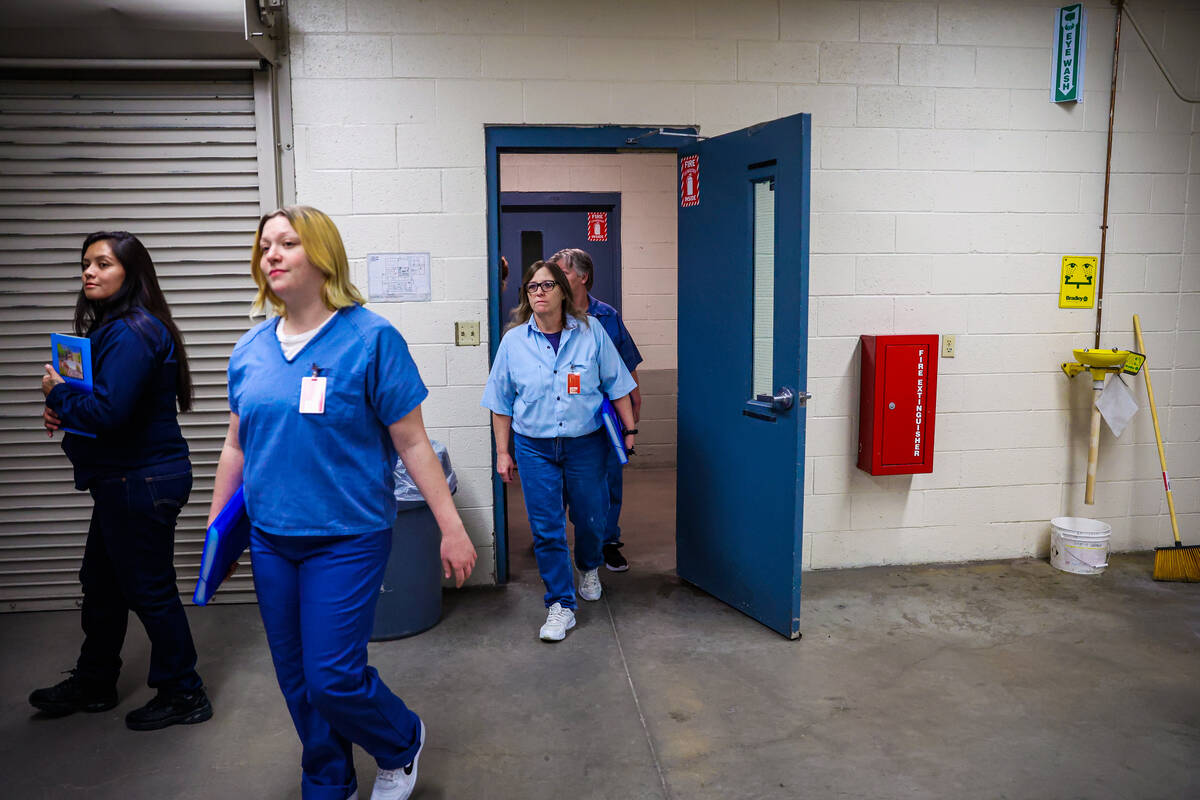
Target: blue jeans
(548, 467)
(317, 598)
(128, 565)
(614, 475)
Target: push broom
(1176, 562)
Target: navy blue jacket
(132, 406)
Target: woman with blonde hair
(548, 380)
(323, 398)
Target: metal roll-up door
(177, 163)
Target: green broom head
(1177, 562)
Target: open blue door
(743, 333)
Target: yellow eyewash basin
(1101, 358)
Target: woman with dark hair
(547, 383)
(137, 470)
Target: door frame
(546, 139)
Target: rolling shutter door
(176, 163)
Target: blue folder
(616, 431)
(227, 538)
(72, 359)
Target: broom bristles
(1177, 563)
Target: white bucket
(1079, 545)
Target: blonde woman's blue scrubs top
(531, 383)
(331, 473)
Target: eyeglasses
(545, 286)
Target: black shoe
(73, 694)
(613, 558)
(175, 708)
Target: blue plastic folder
(612, 424)
(72, 358)
(227, 538)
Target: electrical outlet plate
(466, 333)
(948, 342)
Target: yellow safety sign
(1133, 364)
(1077, 289)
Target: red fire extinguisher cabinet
(897, 404)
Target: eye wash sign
(1070, 36)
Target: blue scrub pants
(128, 565)
(317, 598)
(548, 467)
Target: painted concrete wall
(946, 188)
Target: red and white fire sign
(597, 226)
(689, 181)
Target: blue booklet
(616, 431)
(72, 357)
(226, 540)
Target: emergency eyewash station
(1078, 544)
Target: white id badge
(312, 395)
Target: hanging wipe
(1116, 405)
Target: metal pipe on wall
(1112, 105)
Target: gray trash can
(410, 598)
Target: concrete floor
(996, 680)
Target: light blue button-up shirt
(529, 380)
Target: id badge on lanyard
(312, 393)
(572, 383)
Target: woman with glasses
(549, 377)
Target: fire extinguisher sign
(597, 226)
(689, 181)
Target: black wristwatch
(631, 431)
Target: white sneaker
(559, 620)
(589, 584)
(397, 784)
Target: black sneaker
(73, 694)
(613, 558)
(176, 708)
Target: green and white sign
(1070, 38)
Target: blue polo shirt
(610, 320)
(330, 473)
(529, 379)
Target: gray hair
(578, 261)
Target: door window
(762, 378)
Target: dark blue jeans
(614, 480)
(317, 597)
(128, 565)
(548, 467)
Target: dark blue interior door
(743, 332)
(535, 225)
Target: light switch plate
(948, 342)
(466, 333)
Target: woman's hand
(505, 467)
(629, 443)
(50, 380)
(458, 555)
(50, 421)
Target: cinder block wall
(946, 188)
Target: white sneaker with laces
(589, 584)
(397, 784)
(559, 620)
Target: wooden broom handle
(1162, 456)
(1089, 495)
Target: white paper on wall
(398, 277)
